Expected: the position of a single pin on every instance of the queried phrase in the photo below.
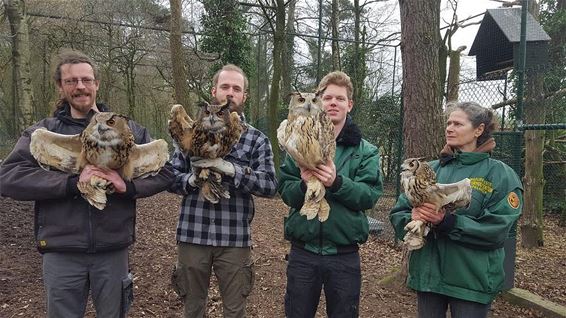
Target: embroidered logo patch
(42, 243)
(513, 200)
(481, 185)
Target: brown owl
(107, 142)
(307, 135)
(212, 135)
(419, 182)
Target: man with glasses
(83, 249)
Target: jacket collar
(63, 113)
(350, 135)
(480, 153)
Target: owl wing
(300, 141)
(326, 137)
(62, 152)
(454, 195)
(146, 159)
(181, 128)
(281, 134)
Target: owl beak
(101, 129)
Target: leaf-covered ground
(542, 271)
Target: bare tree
(335, 47)
(453, 83)
(278, 43)
(288, 52)
(533, 181)
(178, 65)
(15, 10)
(420, 40)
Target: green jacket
(463, 255)
(357, 188)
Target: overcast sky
(466, 8)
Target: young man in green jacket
(326, 254)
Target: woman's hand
(428, 212)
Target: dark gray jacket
(64, 221)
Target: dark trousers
(433, 305)
(308, 273)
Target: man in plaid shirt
(217, 236)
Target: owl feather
(107, 142)
(419, 183)
(212, 135)
(307, 135)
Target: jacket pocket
(473, 269)
(179, 281)
(247, 274)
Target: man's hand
(326, 173)
(111, 175)
(428, 212)
(217, 164)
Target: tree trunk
(130, 90)
(15, 10)
(288, 52)
(357, 60)
(278, 43)
(335, 48)
(453, 85)
(533, 181)
(420, 39)
(180, 77)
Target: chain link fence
(510, 143)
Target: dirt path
(542, 271)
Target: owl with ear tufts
(307, 135)
(419, 182)
(107, 143)
(211, 135)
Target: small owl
(419, 182)
(212, 135)
(307, 135)
(107, 142)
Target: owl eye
(207, 112)
(220, 113)
(301, 99)
(314, 100)
(110, 122)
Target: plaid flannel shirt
(226, 223)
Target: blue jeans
(308, 273)
(433, 305)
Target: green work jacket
(463, 255)
(358, 188)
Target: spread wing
(146, 159)
(454, 195)
(181, 128)
(53, 150)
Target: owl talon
(324, 211)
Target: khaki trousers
(233, 268)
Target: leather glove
(217, 164)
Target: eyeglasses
(87, 81)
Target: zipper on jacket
(91, 245)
